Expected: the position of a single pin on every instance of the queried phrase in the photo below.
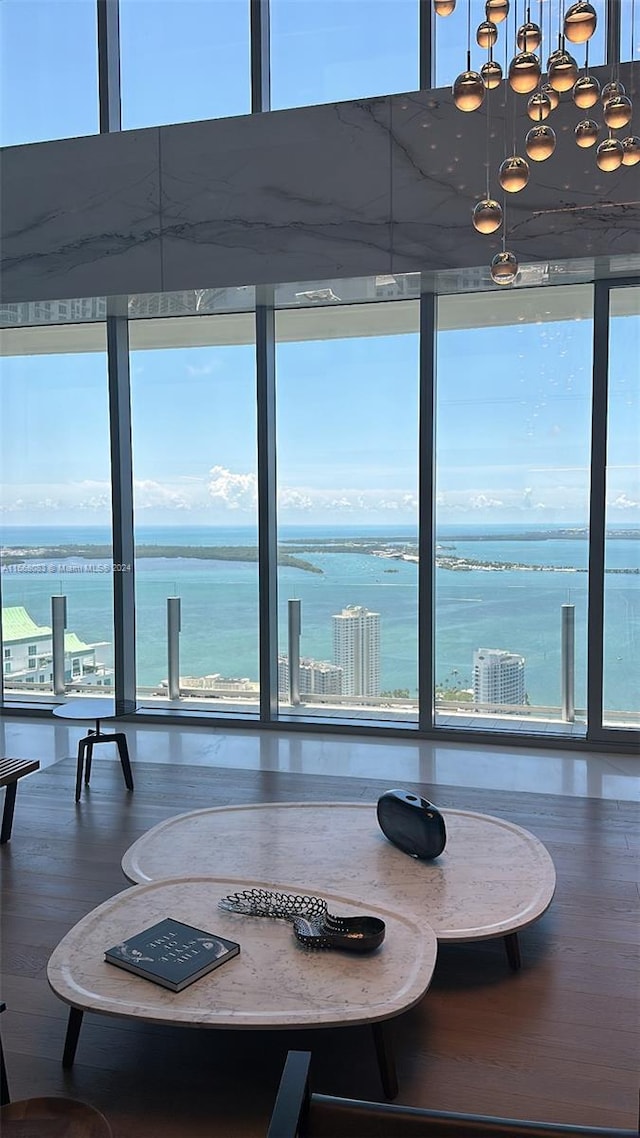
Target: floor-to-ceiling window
(55, 512)
(512, 505)
(195, 503)
(49, 70)
(511, 459)
(621, 679)
(342, 49)
(183, 60)
(347, 428)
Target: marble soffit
(381, 186)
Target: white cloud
(203, 369)
(149, 495)
(623, 502)
(294, 499)
(234, 491)
(484, 502)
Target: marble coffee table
(274, 983)
(492, 880)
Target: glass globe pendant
(631, 150)
(586, 91)
(609, 154)
(540, 143)
(513, 174)
(496, 10)
(552, 95)
(444, 7)
(618, 111)
(563, 72)
(487, 215)
(504, 268)
(529, 37)
(586, 133)
(539, 106)
(468, 91)
(524, 72)
(491, 72)
(580, 22)
(486, 34)
(610, 90)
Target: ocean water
(514, 609)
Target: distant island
(105, 553)
(289, 550)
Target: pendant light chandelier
(511, 21)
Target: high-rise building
(356, 649)
(498, 676)
(316, 677)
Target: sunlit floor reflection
(539, 770)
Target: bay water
(515, 609)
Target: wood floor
(558, 1041)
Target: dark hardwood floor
(559, 1040)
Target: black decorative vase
(414, 825)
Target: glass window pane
(342, 49)
(347, 515)
(49, 70)
(622, 546)
(451, 39)
(630, 30)
(194, 450)
(55, 505)
(183, 60)
(512, 479)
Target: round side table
(96, 710)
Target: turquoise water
(517, 610)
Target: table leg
(512, 945)
(88, 760)
(81, 753)
(123, 751)
(71, 1038)
(386, 1058)
(7, 813)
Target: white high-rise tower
(356, 649)
(498, 676)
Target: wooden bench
(10, 771)
(300, 1113)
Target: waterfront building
(316, 677)
(498, 677)
(215, 682)
(356, 649)
(27, 651)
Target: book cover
(172, 954)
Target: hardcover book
(172, 954)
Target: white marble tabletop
(274, 982)
(102, 708)
(492, 879)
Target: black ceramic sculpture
(412, 824)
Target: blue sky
(513, 414)
(189, 59)
(513, 404)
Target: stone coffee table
(492, 879)
(274, 983)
